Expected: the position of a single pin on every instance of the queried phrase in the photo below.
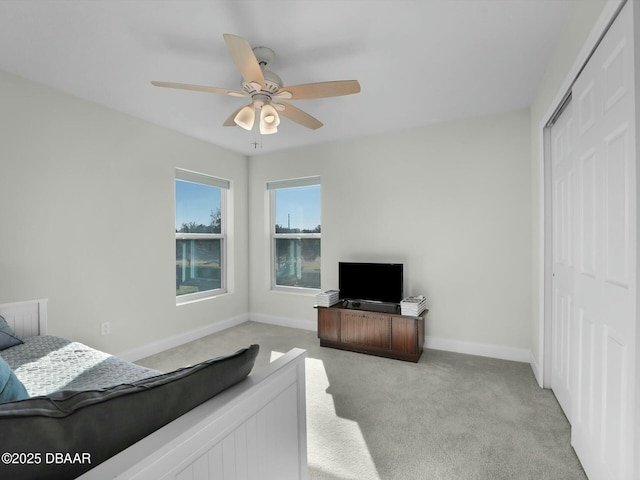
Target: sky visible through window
(298, 207)
(195, 202)
(295, 207)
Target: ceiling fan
(266, 91)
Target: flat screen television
(370, 282)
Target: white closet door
(603, 372)
(563, 198)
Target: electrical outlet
(105, 328)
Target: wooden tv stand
(372, 328)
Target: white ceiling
(418, 62)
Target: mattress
(45, 364)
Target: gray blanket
(45, 364)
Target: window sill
(183, 300)
(302, 291)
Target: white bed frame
(254, 430)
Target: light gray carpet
(450, 416)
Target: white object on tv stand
(254, 429)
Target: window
(295, 228)
(200, 235)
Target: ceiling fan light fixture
(269, 119)
(245, 117)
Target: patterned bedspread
(46, 363)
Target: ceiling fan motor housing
(272, 82)
(260, 99)
(265, 57)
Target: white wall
(451, 201)
(87, 218)
(578, 26)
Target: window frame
(224, 186)
(272, 187)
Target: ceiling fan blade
(198, 88)
(319, 90)
(244, 58)
(297, 115)
(231, 121)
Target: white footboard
(253, 430)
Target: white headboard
(26, 319)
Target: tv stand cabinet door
(366, 329)
(329, 324)
(405, 335)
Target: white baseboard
(284, 322)
(458, 346)
(536, 369)
(470, 348)
(481, 349)
(186, 337)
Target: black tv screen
(374, 282)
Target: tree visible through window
(296, 236)
(199, 235)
